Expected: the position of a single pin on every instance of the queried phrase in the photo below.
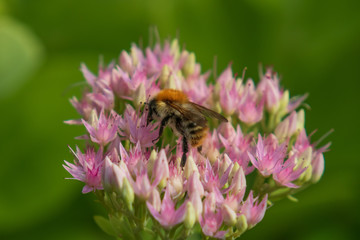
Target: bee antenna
(243, 73)
(214, 67)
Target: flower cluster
(262, 154)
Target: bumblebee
(187, 119)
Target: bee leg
(199, 149)
(161, 129)
(185, 151)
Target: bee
(187, 119)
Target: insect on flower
(186, 119)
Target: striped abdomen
(196, 134)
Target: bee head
(152, 110)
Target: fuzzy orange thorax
(171, 95)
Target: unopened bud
(190, 216)
(234, 170)
(317, 168)
(306, 175)
(284, 102)
(189, 66)
(241, 223)
(93, 119)
(151, 162)
(134, 55)
(164, 75)
(140, 95)
(128, 194)
(300, 121)
(190, 167)
(229, 215)
(174, 49)
(125, 62)
(154, 199)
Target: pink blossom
(168, 216)
(253, 209)
(212, 182)
(268, 155)
(134, 128)
(287, 172)
(269, 87)
(104, 130)
(87, 168)
(250, 108)
(212, 218)
(236, 146)
(175, 181)
(142, 185)
(161, 168)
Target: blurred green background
(314, 45)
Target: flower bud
(194, 184)
(234, 170)
(93, 119)
(305, 176)
(164, 75)
(160, 172)
(174, 49)
(125, 62)
(238, 183)
(317, 167)
(190, 167)
(284, 102)
(140, 95)
(229, 215)
(300, 120)
(134, 55)
(241, 223)
(127, 194)
(189, 66)
(226, 162)
(154, 199)
(151, 162)
(190, 216)
(112, 176)
(171, 82)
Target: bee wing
(209, 113)
(188, 114)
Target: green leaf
(122, 227)
(105, 225)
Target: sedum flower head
(136, 173)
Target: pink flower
(175, 181)
(254, 210)
(238, 183)
(236, 146)
(287, 172)
(229, 99)
(270, 89)
(268, 155)
(168, 216)
(134, 128)
(102, 131)
(87, 168)
(194, 185)
(102, 97)
(132, 158)
(83, 107)
(142, 185)
(212, 182)
(212, 218)
(250, 108)
(161, 168)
